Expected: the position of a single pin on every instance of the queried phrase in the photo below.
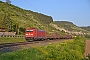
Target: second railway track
(17, 43)
(25, 43)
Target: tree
(8, 1)
(7, 22)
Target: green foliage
(87, 58)
(72, 50)
(69, 26)
(16, 19)
(77, 38)
(7, 22)
(86, 28)
(87, 36)
(67, 50)
(21, 55)
(44, 18)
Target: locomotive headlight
(26, 34)
(31, 34)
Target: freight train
(32, 34)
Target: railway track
(25, 43)
(9, 47)
(16, 44)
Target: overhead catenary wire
(31, 5)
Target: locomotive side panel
(40, 35)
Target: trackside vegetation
(11, 40)
(88, 57)
(67, 50)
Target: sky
(75, 11)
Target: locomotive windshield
(29, 30)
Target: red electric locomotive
(35, 34)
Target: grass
(11, 40)
(29, 54)
(67, 50)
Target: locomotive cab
(29, 35)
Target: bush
(67, 50)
